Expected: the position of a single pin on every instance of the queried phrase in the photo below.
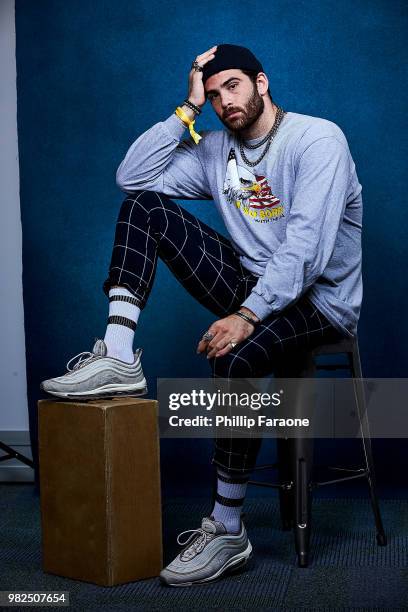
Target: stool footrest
(332, 366)
(336, 480)
(271, 485)
(268, 466)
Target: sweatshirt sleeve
(318, 206)
(159, 161)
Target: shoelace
(83, 360)
(202, 537)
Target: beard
(250, 113)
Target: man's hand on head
(196, 93)
(226, 333)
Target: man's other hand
(225, 334)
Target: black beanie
(231, 56)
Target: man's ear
(262, 83)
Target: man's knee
(146, 198)
(144, 205)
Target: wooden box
(100, 489)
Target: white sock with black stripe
(123, 317)
(229, 500)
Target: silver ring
(196, 66)
(208, 336)
(233, 344)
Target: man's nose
(226, 100)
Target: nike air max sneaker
(94, 375)
(209, 553)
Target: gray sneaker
(95, 375)
(210, 552)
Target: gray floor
(348, 570)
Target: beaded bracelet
(192, 106)
(246, 318)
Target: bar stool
(295, 456)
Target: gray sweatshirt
(294, 220)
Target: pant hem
(227, 468)
(109, 283)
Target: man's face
(235, 99)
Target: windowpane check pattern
(150, 225)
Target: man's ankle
(121, 353)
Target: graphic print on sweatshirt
(250, 193)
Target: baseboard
(13, 470)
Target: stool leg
(301, 452)
(381, 537)
(303, 457)
(354, 361)
(286, 500)
(213, 487)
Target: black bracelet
(193, 107)
(246, 318)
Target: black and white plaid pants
(150, 225)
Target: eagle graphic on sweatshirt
(241, 185)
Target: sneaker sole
(232, 565)
(104, 392)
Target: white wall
(13, 385)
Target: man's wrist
(194, 107)
(249, 313)
(243, 313)
(189, 112)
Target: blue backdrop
(92, 76)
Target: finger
(202, 346)
(220, 352)
(203, 343)
(205, 57)
(224, 351)
(206, 53)
(227, 348)
(219, 346)
(212, 352)
(202, 63)
(218, 341)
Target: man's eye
(232, 86)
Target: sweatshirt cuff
(259, 306)
(174, 126)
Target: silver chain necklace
(280, 113)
